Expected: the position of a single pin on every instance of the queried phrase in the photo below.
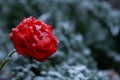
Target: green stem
(7, 59)
(11, 53)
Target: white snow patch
(115, 30)
(54, 73)
(44, 17)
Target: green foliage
(88, 34)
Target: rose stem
(7, 59)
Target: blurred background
(89, 39)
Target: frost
(25, 69)
(39, 78)
(1, 54)
(54, 73)
(43, 72)
(38, 27)
(28, 78)
(85, 29)
(115, 30)
(20, 74)
(86, 51)
(115, 56)
(15, 56)
(44, 17)
(79, 38)
(76, 69)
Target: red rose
(34, 39)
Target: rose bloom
(34, 39)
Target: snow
(115, 30)
(78, 25)
(54, 73)
(44, 17)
